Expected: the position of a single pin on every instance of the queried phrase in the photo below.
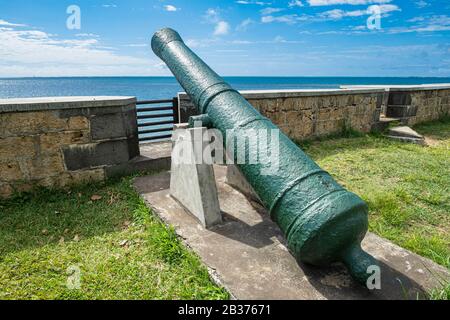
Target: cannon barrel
(322, 222)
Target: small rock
(61, 240)
(123, 243)
(45, 232)
(126, 224)
(96, 197)
(76, 238)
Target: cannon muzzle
(322, 222)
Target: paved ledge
(435, 86)
(58, 103)
(270, 94)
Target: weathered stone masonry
(417, 106)
(306, 114)
(56, 142)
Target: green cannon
(322, 222)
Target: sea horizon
(229, 76)
(167, 87)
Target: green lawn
(120, 250)
(123, 252)
(407, 186)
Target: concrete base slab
(248, 256)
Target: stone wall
(423, 105)
(56, 142)
(303, 114)
(415, 103)
(306, 114)
(309, 115)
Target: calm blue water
(167, 87)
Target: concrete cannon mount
(248, 256)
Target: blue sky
(245, 37)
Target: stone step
(389, 119)
(385, 122)
(154, 157)
(404, 131)
(406, 134)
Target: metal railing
(156, 119)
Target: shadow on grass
(44, 217)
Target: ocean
(145, 88)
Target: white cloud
(112, 5)
(295, 3)
(244, 24)
(267, 11)
(212, 16)
(337, 14)
(136, 45)
(289, 19)
(425, 24)
(421, 4)
(9, 24)
(342, 2)
(37, 53)
(89, 35)
(170, 8)
(259, 3)
(222, 28)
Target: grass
(406, 186)
(442, 294)
(114, 243)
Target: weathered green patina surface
(323, 222)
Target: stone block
(70, 178)
(53, 141)
(131, 124)
(28, 123)
(399, 98)
(10, 170)
(324, 114)
(133, 147)
(6, 190)
(278, 118)
(92, 155)
(43, 166)
(14, 147)
(108, 126)
(78, 123)
(85, 176)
